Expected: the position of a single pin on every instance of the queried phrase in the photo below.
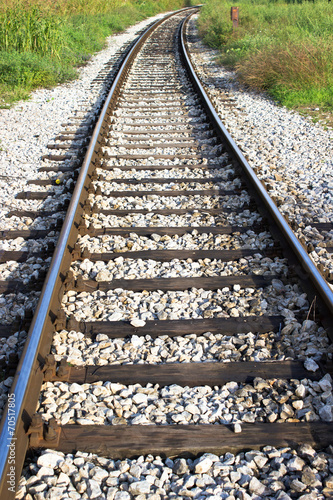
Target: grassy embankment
(42, 42)
(281, 47)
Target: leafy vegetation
(282, 47)
(43, 42)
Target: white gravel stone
(138, 323)
(326, 383)
(75, 388)
(326, 413)
(140, 488)
(93, 489)
(203, 465)
(311, 365)
(257, 487)
(50, 460)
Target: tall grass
(285, 48)
(30, 31)
(42, 41)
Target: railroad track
(172, 247)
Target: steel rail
(10, 430)
(319, 283)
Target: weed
(43, 42)
(282, 47)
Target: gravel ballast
(290, 153)
(274, 473)
(261, 401)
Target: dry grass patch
(282, 47)
(291, 65)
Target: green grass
(42, 43)
(284, 48)
(30, 30)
